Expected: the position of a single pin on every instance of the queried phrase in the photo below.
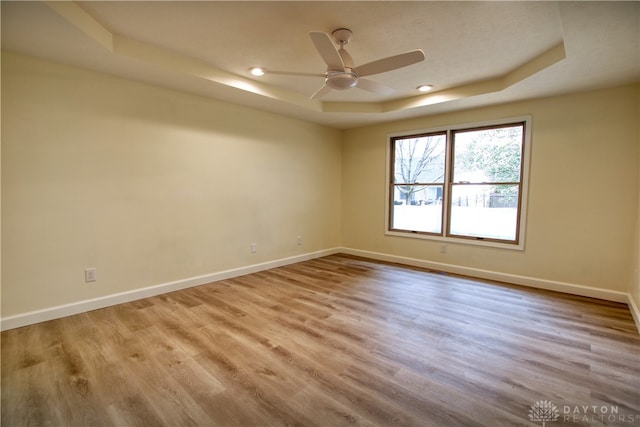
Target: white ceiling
(477, 53)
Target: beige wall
(583, 193)
(148, 185)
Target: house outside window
(465, 183)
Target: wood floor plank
(333, 341)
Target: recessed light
(424, 88)
(256, 71)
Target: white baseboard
(57, 312)
(534, 282)
(635, 312)
(38, 316)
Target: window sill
(486, 243)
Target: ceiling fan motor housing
(342, 36)
(341, 80)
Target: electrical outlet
(89, 275)
(254, 248)
(443, 248)
(299, 240)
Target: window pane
(487, 211)
(420, 159)
(488, 155)
(417, 208)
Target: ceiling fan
(341, 71)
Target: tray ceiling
(477, 53)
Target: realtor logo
(543, 411)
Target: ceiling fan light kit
(341, 80)
(341, 73)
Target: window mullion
(446, 190)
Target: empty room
(373, 213)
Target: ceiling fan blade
(321, 92)
(375, 87)
(293, 73)
(390, 63)
(346, 58)
(327, 50)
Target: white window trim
(525, 165)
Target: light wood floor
(328, 342)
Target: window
(465, 183)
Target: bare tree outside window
(418, 180)
(418, 160)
